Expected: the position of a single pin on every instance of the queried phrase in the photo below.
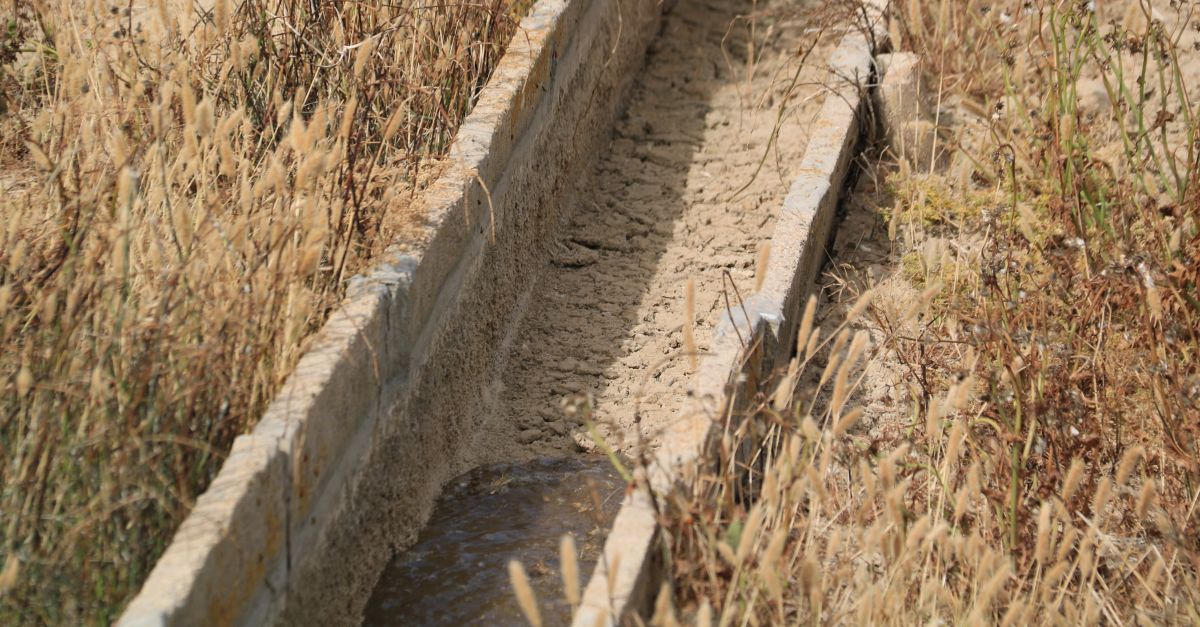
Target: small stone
(583, 442)
(902, 93)
(529, 436)
(557, 428)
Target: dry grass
(1046, 469)
(185, 189)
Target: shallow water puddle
(457, 571)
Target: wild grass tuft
(1046, 469)
(185, 192)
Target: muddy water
(457, 574)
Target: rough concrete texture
(906, 111)
(348, 459)
(901, 92)
(743, 348)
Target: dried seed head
(809, 428)
(760, 270)
(993, 585)
(1042, 547)
(393, 124)
(362, 56)
(182, 222)
(525, 597)
(309, 260)
(1146, 498)
(1128, 463)
(17, 257)
(809, 576)
(49, 307)
(858, 346)
(806, 325)
(933, 421)
(229, 162)
(24, 381)
(839, 342)
(570, 569)
(840, 390)
(689, 334)
(974, 484)
(613, 570)
(958, 434)
(771, 579)
(96, 385)
(316, 128)
(860, 306)
(922, 301)
(783, 392)
(749, 533)
(348, 118)
(118, 147)
(126, 187)
(814, 339)
(961, 500)
(917, 532)
(221, 13)
(1065, 544)
(664, 610)
(297, 135)
(1073, 479)
(830, 366)
(847, 422)
(10, 574)
(704, 616)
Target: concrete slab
(907, 112)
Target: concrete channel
(625, 153)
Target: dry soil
(687, 191)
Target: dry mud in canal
(687, 190)
(661, 207)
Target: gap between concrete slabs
(744, 351)
(305, 510)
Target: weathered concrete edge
(231, 559)
(626, 579)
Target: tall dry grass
(185, 189)
(1048, 468)
(824, 524)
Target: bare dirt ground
(665, 205)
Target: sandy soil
(605, 320)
